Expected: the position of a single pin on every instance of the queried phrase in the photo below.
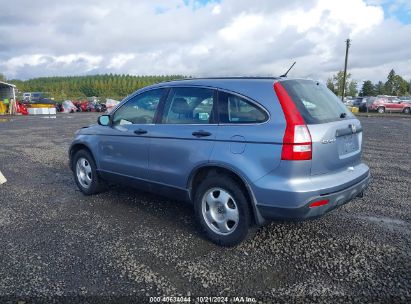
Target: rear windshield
(316, 103)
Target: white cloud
(120, 60)
(334, 15)
(216, 10)
(228, 37)
(242, 27)
(51, 63)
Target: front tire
(85, 173)
(222, 210)
(381, 110)
(407, 111)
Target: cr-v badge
(328, 141)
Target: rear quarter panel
(251, 150)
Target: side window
(140, 109)
(234, 109)
(189, 106)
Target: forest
(118, 86)
(78, 87)
(395, 85)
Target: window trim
(248, 99)
(128, 98)
(216, 121)
(214, 109)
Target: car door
(124, 145)
(184, 137)
(389, 105)
(397, 105)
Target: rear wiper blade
(343, 115)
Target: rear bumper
(301, 210)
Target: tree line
(78, 87)
(394, 86)
(118, 86)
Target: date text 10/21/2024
(189, 299)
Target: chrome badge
(328, 141)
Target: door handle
(201, 133)
(140, 131)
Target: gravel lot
(124, 245)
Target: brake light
(297, 143)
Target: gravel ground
(57, 245)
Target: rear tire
(381, 110)
(85, 173)
(407, 111)
(222, 210)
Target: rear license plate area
(347, 144)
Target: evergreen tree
(389, 84)
(367, 88)
(379, 88)
(78, 87)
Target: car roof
(257, 88)
(218, 81)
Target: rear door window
(315, 102)
(189, 106)
(235, 109)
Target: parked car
(406, 99)
(367, 103)
(26, 97)
(390, 104)
(360, 103)
(243, 151)
(357, 102)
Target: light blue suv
(242, 150)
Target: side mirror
(104, 120)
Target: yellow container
(355, 109)
(40, 105)
(3, 108)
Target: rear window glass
(316, 103)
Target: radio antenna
(285, 75)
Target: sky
(203, 38)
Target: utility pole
(348, 43)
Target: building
(7, 91)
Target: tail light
(297, 143)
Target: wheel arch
(199, 173)
(77, 147)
